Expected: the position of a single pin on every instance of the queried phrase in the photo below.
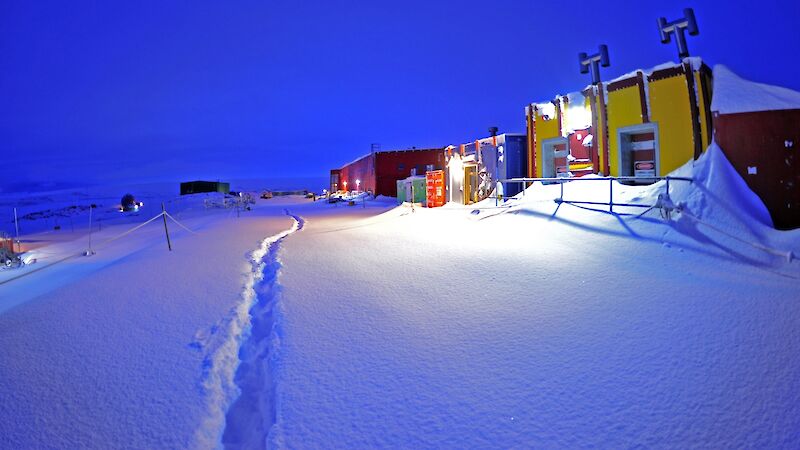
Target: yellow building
(647, 123)
(658, 121)
(560, 132)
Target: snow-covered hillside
(526, 324)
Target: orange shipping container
(435, 188)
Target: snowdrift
(717, 208)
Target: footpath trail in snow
(112, 351)
(249, 419)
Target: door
(470, 184)
(639, 152)
(555, 154)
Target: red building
(756, 126)
(378, 172)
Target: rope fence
(163, 214)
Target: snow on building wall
(757, 126)
(561, 137)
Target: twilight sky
(95, 91)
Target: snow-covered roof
(733, 94)
(356, 160)
(548, 108)
(695, 61)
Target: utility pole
(166, 230)
(600, 59)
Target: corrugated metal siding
(763, 147)
(670, 107)
(363, 170)
(545, 129)
(391, 166)
(516, 162)
(624, 107)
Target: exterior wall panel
(670, 108)
(363, 170)
(391, 166)
(763, 147)
(624, 109)
(545, 129)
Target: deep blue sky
(103, 90)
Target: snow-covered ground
(527, 327)
(131, 347)
(526, 324)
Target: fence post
(166, 230)
(561, 200)
(90, 251)
(610, 194)
(16, 228)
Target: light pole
(345, 185)
(599, 59)
(493, 133)
(677, 27)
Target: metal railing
(610, 203)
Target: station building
(378, 172)
(644, 123)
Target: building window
(401, 166)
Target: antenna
(677, 27)
(599, 59)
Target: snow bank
(717, 208)
(733, 94)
